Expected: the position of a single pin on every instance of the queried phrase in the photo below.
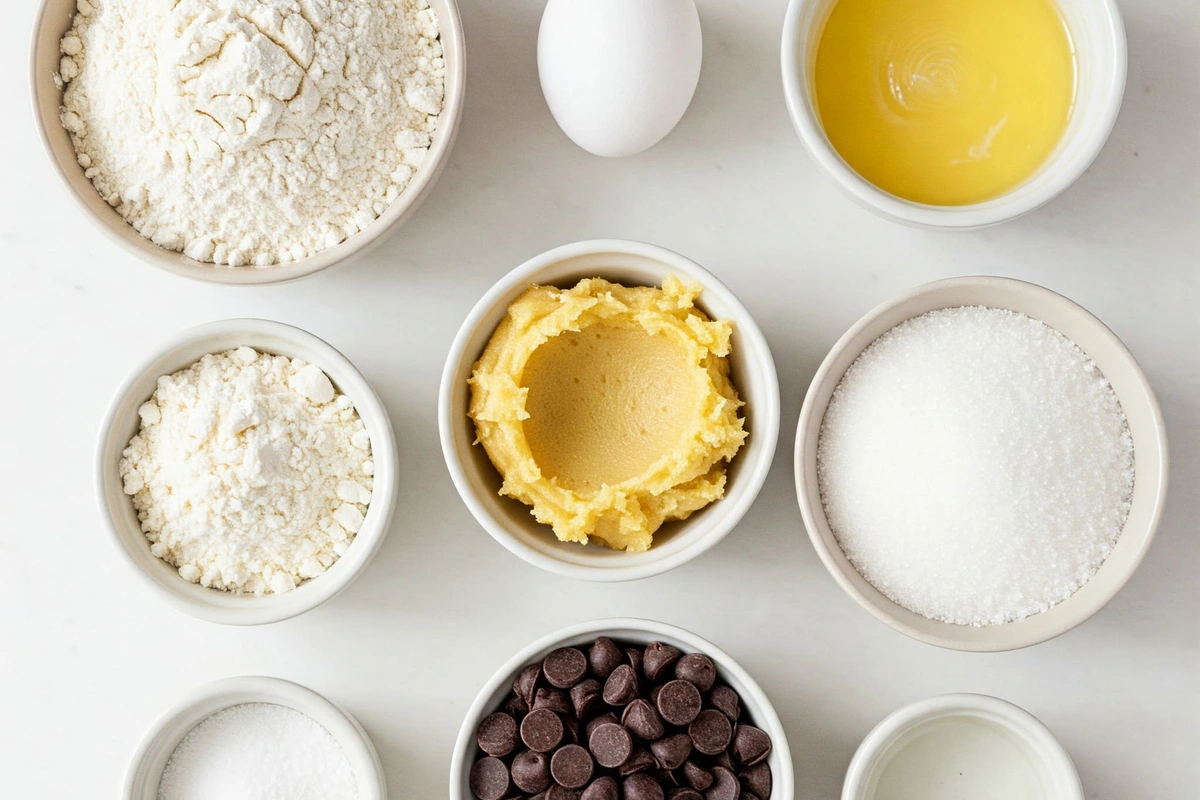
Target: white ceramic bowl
(122, 422)
(1100, 50)
(54, 20)
(146, 767)
(756, 708)
(1057, 772)
(509, 521)
(1137, 400)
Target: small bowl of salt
(255, 737)
(981, 464)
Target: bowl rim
(396, 213)
(821, 535)
(760, 706)
(766, 409)
(1007, 206)
(253, 610)
(212, 698)
(1032, 730)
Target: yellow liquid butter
(945, 102)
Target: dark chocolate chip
(634, 655)
(572, 729)
(750, 745)
(726, 701)
(585, 698)
(497, 734)
(652, 695)
(724, 786)
(711, 732)
(611, 745)
(621, 686)
(571, 766)
(640, 761)
(531, 771)
(747, 796)
(541, 795)
(526, 683)
(757, 779)
(603, 657)
(541, 730)
(696, 776)
(679, 702)
(516, 707)
(604, 719)
(557, 792)
(642, 787)
(489, 779)
(643, 721)
(684, 793)
(666, 778)
(698, 670)
(722, 759)
(603, 788)
(554, 699)
(657, 659)
(671, 751)
(565, 667)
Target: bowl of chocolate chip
(621, 709)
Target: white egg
(618, 74)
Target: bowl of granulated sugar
(981, 463)
(252, 144)
(255, 737)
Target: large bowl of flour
(248, 142)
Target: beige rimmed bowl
(122, 422)
(54, 20)
(145, 770)
(756, 706)
(1132, 390)
(509, 521)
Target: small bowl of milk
(961, 745)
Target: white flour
(249, 473)
(251, 131)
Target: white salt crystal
(975, 466)
(258, 750)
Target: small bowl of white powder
(981, 463)
(242, 142)
(248, 471)
(255, 737)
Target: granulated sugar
(975, 466)
(258, 751)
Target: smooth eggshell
(619, 74)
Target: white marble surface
(88, 658)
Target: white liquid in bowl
(960, 757)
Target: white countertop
(89, 658)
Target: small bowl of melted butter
(953, 113)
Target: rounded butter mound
(608, 409)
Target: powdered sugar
(250, 473)
(975, 466)
(251, 131)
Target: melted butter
(605, 403)
(945, 102)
